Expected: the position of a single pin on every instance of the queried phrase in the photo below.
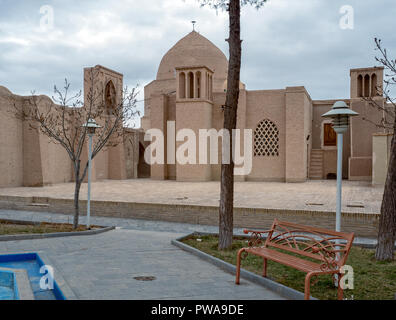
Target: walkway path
(131, 224)
(103, 266)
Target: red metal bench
(329, 248)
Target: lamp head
(91, 126)
(340, 114)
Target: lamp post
(340, 114)
(91, 126)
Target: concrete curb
(278, 288)
(32, 236)
(355, 242)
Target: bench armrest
(256, 237)
(330, 258)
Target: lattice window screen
(266, 139)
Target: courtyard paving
(103, 266)
(316, 195)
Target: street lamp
(91, 126)
(340, 114)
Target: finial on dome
(193, 23)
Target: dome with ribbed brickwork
(193, 50)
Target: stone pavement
(131, 224)
(127, 223)
(103, 266)
(315, 195)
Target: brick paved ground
(103, 266)
(317, 195)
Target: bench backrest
(316, 243)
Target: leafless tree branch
(62, 118)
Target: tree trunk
(387, 223)
(76, 195)
(230, 116)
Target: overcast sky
(285, 43)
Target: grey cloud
(284, 44)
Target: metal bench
(329, 249)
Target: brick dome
(193, 50)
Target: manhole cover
(145, 278)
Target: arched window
(182, 85)
(190, 85)
(207, 86)
(266, 139)
(210, 88)
(366, 85)
(360, 86)
(198, 84)
(110, 97)
(374, 90)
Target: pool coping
(282, 290)
(64, 287)
(60, 280)
(31, 236)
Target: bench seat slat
(286, 259)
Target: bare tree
(62, 119)
(387, 223)
(233, 7)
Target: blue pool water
(32, 263)
(7, 293)
(8, 289)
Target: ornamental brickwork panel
(266, 139)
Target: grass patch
(12, 228)
(372, 280)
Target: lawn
(373, 280)
(8, 228)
